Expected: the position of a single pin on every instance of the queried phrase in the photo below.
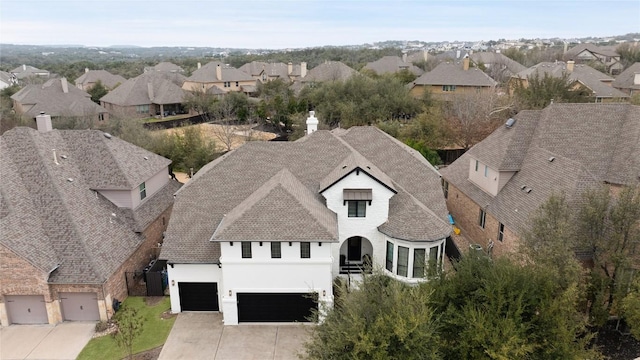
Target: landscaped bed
(156, 327)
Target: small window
(403, 260)
(445, 188)
(101, 117)
(142, 109)
(237, 84)
(477, 164)
(389, 256)
(500, 231)
(264, 77)
(246, 249)
(357, 208)
(276, 250)
(418, 263)
(143, 191)
(482, 219)
(305, 250)
(433, 260)
(486, 171)
(448, 88)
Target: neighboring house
(79, 208)
(265, 72)
(224, 77)
(7, 79)
(448, 79)
(599, 85)
(147, 95)
(416, 57)
(325, 72)
(261, 232)
(593, 54)
(26, 71)
(90, 77)
(494, 189)
(499, 67)
(629, 80)
(392, 65)
(58, 99)
(165, 66)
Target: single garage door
(276, 307)
(80, 306)
(26, 309)
(198, 296)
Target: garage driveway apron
(45, 342)
(201, 335)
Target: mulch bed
(616, 346)
(152, 354)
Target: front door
(354, 250)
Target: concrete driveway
(203, 336)
(45, 342)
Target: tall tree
(540, 91)
(97, 91)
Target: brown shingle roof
(254, 178)
(392, 64)
(329, 71)
(625, 79)
(454, 74)
(106, 78)
(207, 74)
(590, 144)
(136, 91)
(62, 224)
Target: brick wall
(466, 214)
(19, 277)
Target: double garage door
(31, 309)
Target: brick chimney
(218, 72)
(570, 65)
(65, 85)
(303, 69)
(289, 68)
(43, 122)
(465, 63)
(312, 123)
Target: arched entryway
(356, 256)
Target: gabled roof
(53, 219)
(245, 182)
(625, 79)
(208, 74)
(392, 64)
(606, 51)
(256, 68)
(454, 74)
(495, 59)
(591, 78)
(283, 206)
(329, 71)
(418, 56)
(165, 66)
(51, 98)
(106, 78)
(148, 88)
(25, 71)
(564, 148)
(356, 162)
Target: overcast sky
(304, 23)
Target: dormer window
(357, 199)
(143, 191)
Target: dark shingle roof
(454, 74)
(53, 218)
(589, 143)
(497, 59)
(106, 78)
(574, 51)
(279, 70)
(253, 180)
(164, 90)
(207, 74)
(25, 71)
(51, 98)
(626, 78)
(329, 71)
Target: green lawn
(155, 332)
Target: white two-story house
(261, 233)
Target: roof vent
(510, 122)
(528, 190)
(146, 158)
(63, 156)
(552, 158)
(107, 135)
(523, 187)
(70, 179)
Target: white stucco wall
(191, 273)
(377, 213)
(262, 274)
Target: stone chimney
(570, 65)
(303, 69)
(199, 65)
(218, 72)
(86, 70)
(404, 57)
(458, 54)
(65, 85)
(312, 123)
(43, 122)
(465, 63)
(289, 68)
(150, 91)
(636, 79)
